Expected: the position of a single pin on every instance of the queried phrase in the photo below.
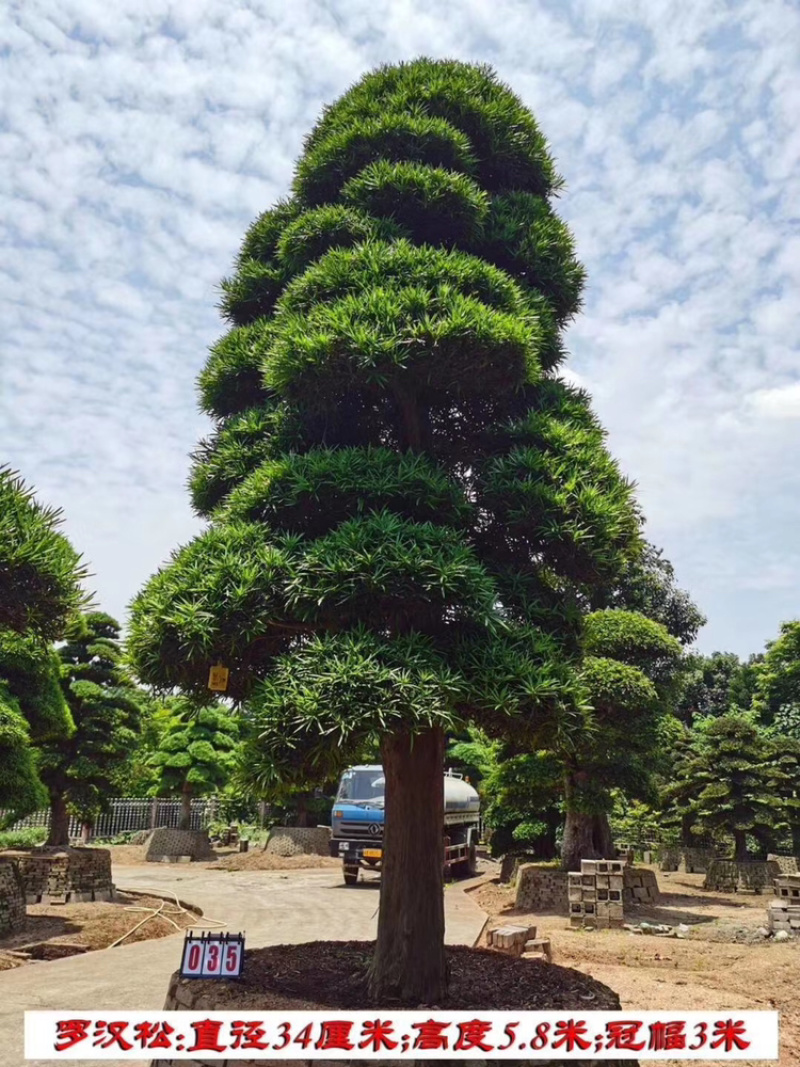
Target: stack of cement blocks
(595, 895)
(784, 912)
(519, 941)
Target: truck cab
(358, 815)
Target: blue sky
(139, 138)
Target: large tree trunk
(186, 807)
(59, 821)
(688, 840)
(579, 827)
(409, 965)
(740, 846)
(301, 815)
(602, 837)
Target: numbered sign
(212, 956)
(218, 678)
(192, 964)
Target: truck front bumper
(353, 853)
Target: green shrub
(34, 835)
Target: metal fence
(128, 814)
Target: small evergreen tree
(630, 669)
(196, 753)
(729, 780)
(40, 587)
(80, 771)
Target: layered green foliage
(408, 507)
(104, 705)
(32, 712)
(40, 572)
(196, 751)
(520, 792)
(732, 779)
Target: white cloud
(140, 138)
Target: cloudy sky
(138, 138)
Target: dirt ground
(49, 927)
(723, 963)
(228, 859)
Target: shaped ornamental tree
(40, 588)
(79, 770)
(404, 499)
(196, 753)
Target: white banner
(397, 1035)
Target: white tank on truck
(357, 822)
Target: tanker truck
(357, 822)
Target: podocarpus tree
(79, 770)
(629, 669)
(403, 496)
(196, 753)
(40, 587)
(732, 780)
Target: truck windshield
(361, 785)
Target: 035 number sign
(212, 956)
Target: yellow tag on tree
(218, 678)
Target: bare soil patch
(723, 963)
(59, 928)
(267, 861)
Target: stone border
(63, 875)
(298, 841)
(12, 899)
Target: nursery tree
(79, 771)
(40, 572)
(777, 687)
(732, 779)
(630, 669)
(196, 753)
(407, 504)
(40, 586)
(33, 712)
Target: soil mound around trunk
(324, 975)
(333, 974)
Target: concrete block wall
(728, 876)
(167, 845)
(685, 860)
(64, 875)
(190, 995)
(786, 864)
(640, 886)
(12, 899)
(541, 889)
(299, 841)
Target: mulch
(333, 974)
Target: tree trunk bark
(409, 966)
(740, 846)
(602, 837)
(186, 807)
(59, 822)
(301, 816)
(578, 841)
(687, 838)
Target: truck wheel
(350, 875)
